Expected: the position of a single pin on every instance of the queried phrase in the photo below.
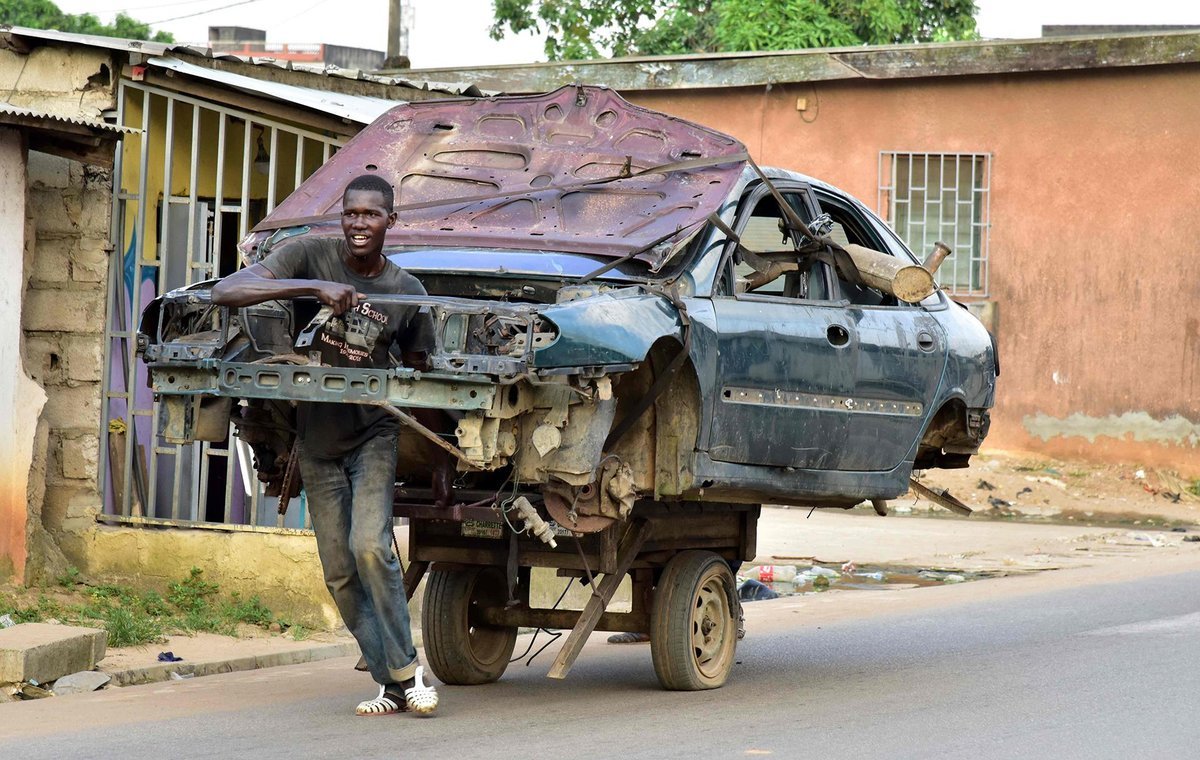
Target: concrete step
(44, 652)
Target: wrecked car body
(636, 329)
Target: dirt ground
(1012, 485)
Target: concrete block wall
(71, 81)
(67, 259)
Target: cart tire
(693, 628)
(460, 653)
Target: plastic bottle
(776, 573)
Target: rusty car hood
(542, 172)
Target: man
(348, 451)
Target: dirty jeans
(350, 500)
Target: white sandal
(384, 704)
(421, 699)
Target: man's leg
(328, 490)
(387, 646)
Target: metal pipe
(410, 422)
(936, 256)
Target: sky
(450, 33)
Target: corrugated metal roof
(360, 108)
(162, 49)
(8, 109)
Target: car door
(901, 353)
(785, 354)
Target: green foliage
(72, 575)
(43, 14)
(192, 593)
(45, 608)
(127, 627)
(581, 29)
(1194, 488)
(251, 611)
(133, 617)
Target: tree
(43, 14)
(580, 29)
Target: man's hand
(336, 295)
(256, 284)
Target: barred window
(927, 197)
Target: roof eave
(703, 71)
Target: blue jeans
(350, 500)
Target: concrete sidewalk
(208, 654)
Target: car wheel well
(659, 445)
(947, 426)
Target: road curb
(163, 671)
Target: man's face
(365, 220)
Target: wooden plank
(608, 549)
(749, 540)
(413, 576)
(524, 617)
(116, 465)
(594, 609)
(643, 591)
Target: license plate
(481, 529)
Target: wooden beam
(413, 576)
(99, 153)
(9, 41)
(519, 617)
(631, 543)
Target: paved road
(1091, 672)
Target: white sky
(448, 33)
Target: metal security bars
(185, 190)
(927, 197)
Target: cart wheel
(458, 651)
(693, 631)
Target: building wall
(20, 398)
(64, 331)
(1094, 262)
(49, 457)
(281, 569)
(66, 210)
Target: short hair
(373, 183)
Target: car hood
(543, 172)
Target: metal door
(785, 372)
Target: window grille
(186, 187)
(927, 197)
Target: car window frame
(885, 240)
(750, 199)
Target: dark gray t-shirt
(362, 337)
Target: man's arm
(256, 284)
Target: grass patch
(71, 577)
(250, 611)
(131, 616)
(1194, 488)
